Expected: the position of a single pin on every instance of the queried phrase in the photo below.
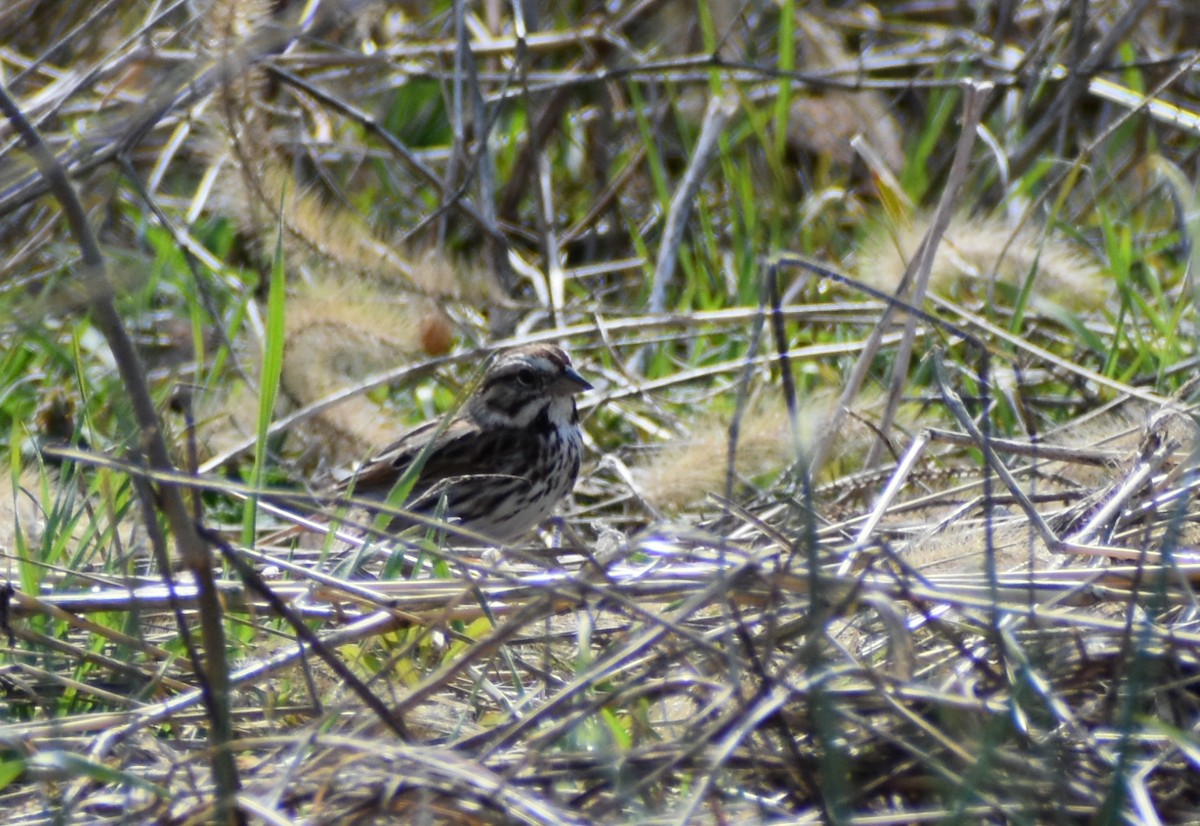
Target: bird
(502, 463)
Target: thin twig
(716, 116)
(975, 97)
(193, 551)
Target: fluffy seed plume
(975, 251)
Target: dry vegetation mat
(886, 506)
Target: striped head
(523, 384)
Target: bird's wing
(455, 454)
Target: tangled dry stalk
(912, 546)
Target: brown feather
(505, 460)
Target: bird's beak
(571, 382)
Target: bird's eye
(526, 377)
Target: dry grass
(979, 607)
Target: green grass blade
(268, 388)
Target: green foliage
(268, 388)
(617, 114)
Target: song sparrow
(506, 459)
